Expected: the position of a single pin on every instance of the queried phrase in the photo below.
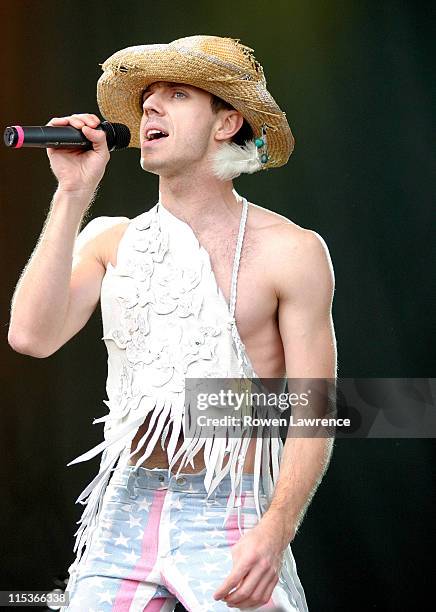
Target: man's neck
(200, 203)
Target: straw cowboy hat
(223, 67)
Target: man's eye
(179, 92)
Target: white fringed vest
(165, 318)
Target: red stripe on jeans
(149, 551)
(232, 530)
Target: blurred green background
(354, 79)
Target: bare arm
(306, 288)
(304, 282)
(53, 299)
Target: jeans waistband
(158, 478)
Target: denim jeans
(159, 541)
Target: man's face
(184, 113)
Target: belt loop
(131, 482)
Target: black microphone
(64, 137)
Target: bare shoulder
(110, 238)
(292, 251)
(100, 238)
(278, 232)
(263, 219)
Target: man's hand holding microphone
(56, 296)
(79, 171)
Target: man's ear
(230, 122)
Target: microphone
(64, 137)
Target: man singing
(201, 285)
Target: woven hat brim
(126, 75)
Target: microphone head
(11, 136)
(117, 135)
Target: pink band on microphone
(20, 132)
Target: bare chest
(255, 296)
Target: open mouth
(153, 135)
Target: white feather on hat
(231, 160)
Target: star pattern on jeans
(134, 521)
(131, 557)
(144, 504)
(121, 540)
(100, 553)
(210, 567)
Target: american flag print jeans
(159, 541)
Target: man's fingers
(263, 593)
(58, 121)
(79, 121)
(231, 582)
(76, 120)
(97, 136)
(87, 123)
(253, 585)
(87, 118)
(256, 594)
(269, 590)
